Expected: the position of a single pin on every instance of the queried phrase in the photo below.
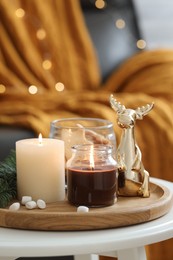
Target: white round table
(126, 243)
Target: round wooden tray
(63, 216)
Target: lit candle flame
(40, 138)
(92, 165)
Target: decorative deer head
(127, 117)
(132, 174)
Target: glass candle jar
(83, 131)
(91, 176)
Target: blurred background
(155, 19)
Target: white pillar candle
(40, 169)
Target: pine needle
(8, 187)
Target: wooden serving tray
(63, 216)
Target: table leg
(132, 254)
(85, 257)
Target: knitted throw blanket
(45, 44)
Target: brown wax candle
(91, 187)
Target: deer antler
(116, 105)
(144, 110)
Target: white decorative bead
(82, 209)
(25, 199)
(15, 206)
(31, 204)
(41, 204)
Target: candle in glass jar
(91, 176)
(40, 169)
(95, 187)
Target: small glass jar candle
(91, 176)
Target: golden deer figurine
(133, 179)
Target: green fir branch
(8, 187)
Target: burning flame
(40, 138)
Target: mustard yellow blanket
(45, 44)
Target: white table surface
(15, 243)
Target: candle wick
(92, 168)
